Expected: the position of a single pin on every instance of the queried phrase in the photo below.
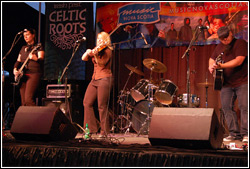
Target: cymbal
(206, 84)
(155, 65)
(133, 69)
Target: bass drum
(141, 112)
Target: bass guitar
(218, 74)
(19, 75)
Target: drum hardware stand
(122, 103)
(150, 100)
(188, 69)
(206, 93)
(128, 128)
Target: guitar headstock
(219, 58)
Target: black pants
(28, 88)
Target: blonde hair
(106, 38)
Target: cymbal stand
(150, 100)
(206, 93)
(206, 96)
(123, 103)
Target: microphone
(143, 37)
(21, 32)
(81, 40)
(203, 27)
(127, 28)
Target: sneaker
(245, 139)
(229, 138)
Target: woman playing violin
(100, 86)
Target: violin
(101, 47)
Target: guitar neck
(24, 63)
(27, 59)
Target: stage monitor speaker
(75, 107)
(185, 128)
(42, 123)
(58, 102)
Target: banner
(139, 13)
(65, 24)
(145, 25)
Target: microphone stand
(12, 46)
(129, 40)
(188, 69)
(66, 81)
(3, 74)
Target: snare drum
(140, 90)
(194, 100)
(164, 94)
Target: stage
(116, 150)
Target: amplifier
(58, 91)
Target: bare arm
(212, 65)
(232, 63)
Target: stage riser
(85, 154)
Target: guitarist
(33, 71)
(235, 74)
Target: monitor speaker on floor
(185, 128)
(42, 123)
(75, 107)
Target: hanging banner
(170, 23)
(139, 13)
(66, 23)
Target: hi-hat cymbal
(133, 69)
(206, 84)
(155, 65)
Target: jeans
(228, 97)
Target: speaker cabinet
(75, 107)
(42, 123)
(185, 128)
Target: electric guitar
(218, 74)
(19, 75)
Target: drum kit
(138, 103)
